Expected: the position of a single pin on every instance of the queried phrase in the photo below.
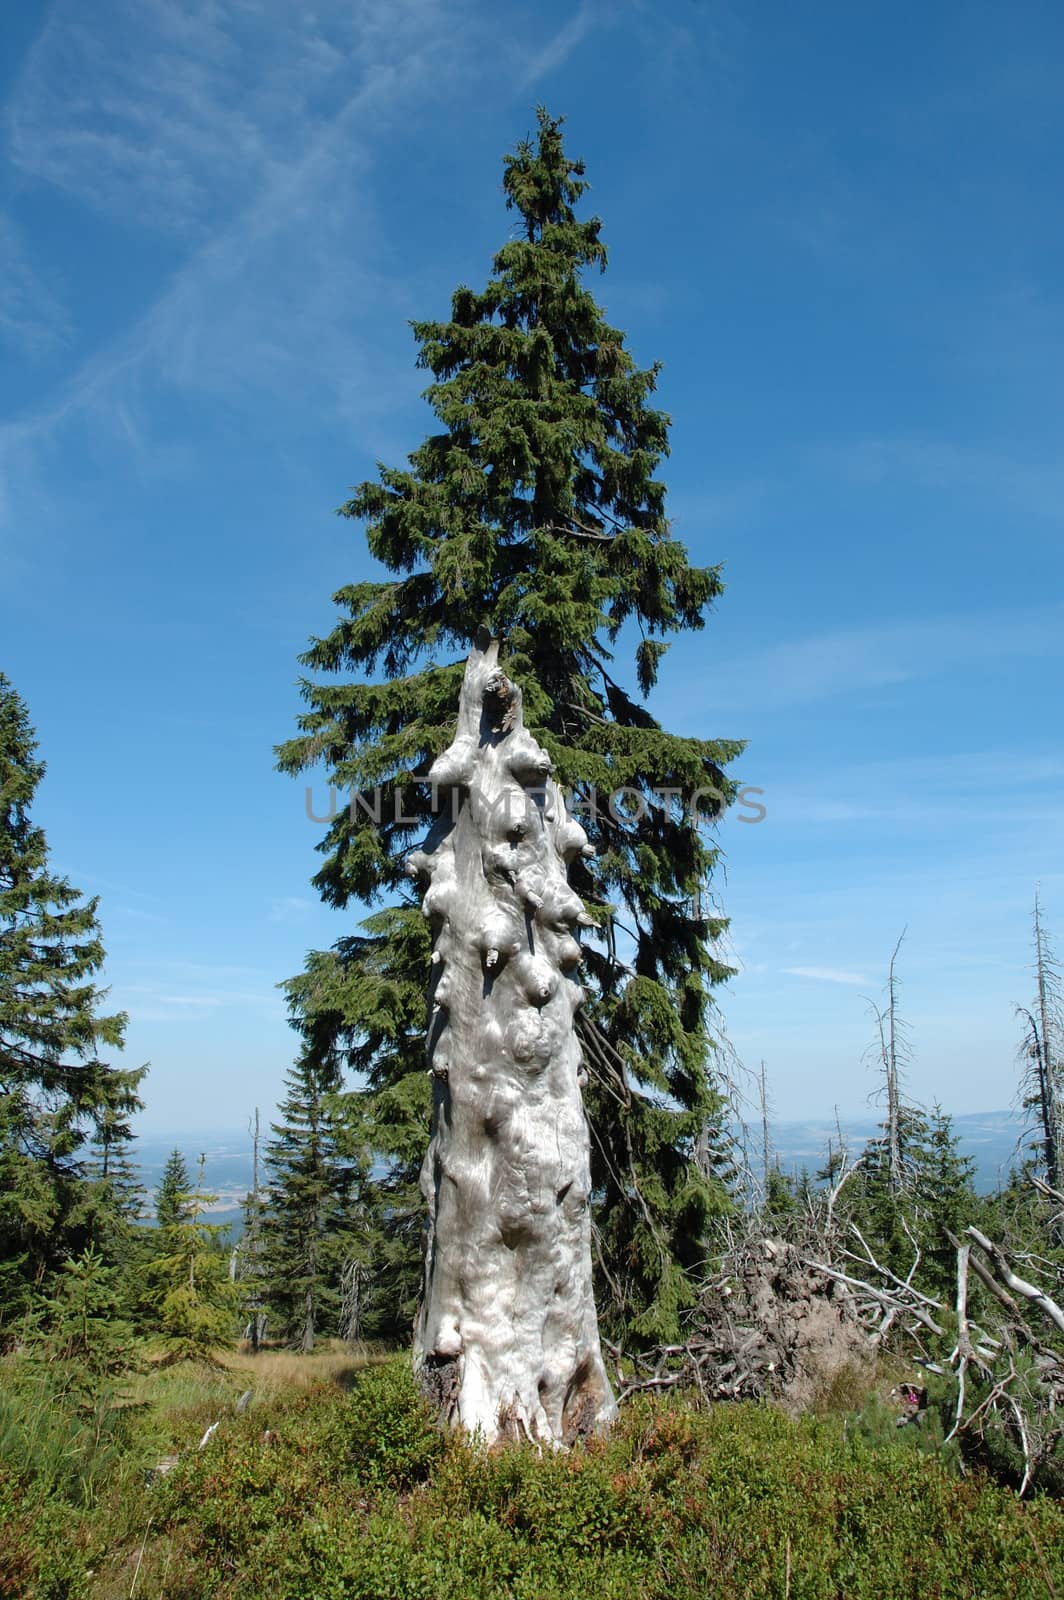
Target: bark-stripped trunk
(896, 1176)
(306, 1342)
(1048, 1088)
(507, 1339)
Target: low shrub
(332, 1496)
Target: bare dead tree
(354, 1276)
(246, 1262)
(892, 1053)
(891, 1065)
(1042, 1053)
(506, 1339)
(736, 1084)
(766, 1146)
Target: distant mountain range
(991, 1138)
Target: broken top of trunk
(507, 1341)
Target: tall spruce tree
(311, 1219)
(535, 510)
(56, 1093)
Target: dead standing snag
(506, 1341)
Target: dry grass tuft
(274, 1370)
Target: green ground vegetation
(339, 1486)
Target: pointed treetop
(541, 182)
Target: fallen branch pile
(768, 1325)
(780, 1321)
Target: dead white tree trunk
(893, 1084)
(766, 1144)
(1049, 1107)
(506, 1342)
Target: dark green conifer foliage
(56, 1092)
(115, 1193)
(112, 1165)
(171, 1199)
(190, 1286)
(86, 1330)
(780, 1203)
(948, 1202)
(535, 509)
(936, 1197)
(311, 1222)
(378, 978)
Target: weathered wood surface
(507, 1340)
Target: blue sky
(838, 227)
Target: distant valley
(991, 1138)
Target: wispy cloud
(558, 49)
(829, 975)
(240, 132)
(156, 1000)
(172, 117)
(849, 660)
(204, 1001)
(1018, 787)
(33, 317)
(1029, 483)
(135, 914)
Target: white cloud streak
(33, 318)
(829, 975)
(239, 133)
(850, 660)
(241, 137)
(557, 50)
(1031, 485)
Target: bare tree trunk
(506, 1342)
(893, 1088)
(766, 1147)
(1048, 1088)
(353, 1278)
(306, 1343)
(257, 1320)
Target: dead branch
(1020, 1286)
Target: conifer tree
(56, 1092)
(171, 1196)
(311, 1220)
(780, 1200)
(190, 1286)
(946, 1197)
(910, 1193)
(534, 509)
(111, 1165)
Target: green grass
(323, 1493)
